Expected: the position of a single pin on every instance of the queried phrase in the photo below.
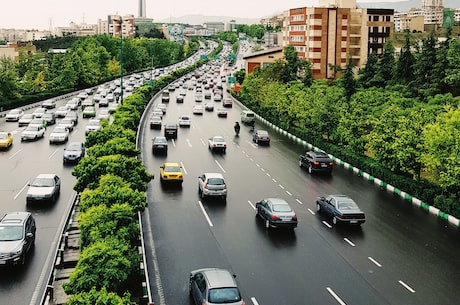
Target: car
(212, 185)
(170, 130)
(210, 286)
(74, 152)
(261, 136)
(89, 112)
(316, 161)
(39, 112)
(82, 95)
(217, 97)
(157, 112)
(45, 187)
(209, 106)
(32, 132)
(247, 116)
(207, 95)
(112, 108)
(276, 213)
(67, 123)
(38, 122)
(179, 98)
(103, 114)
(171, 172)
(341, 208)
(73, 104)
(14, 115)
(104, 102)
(97, 97)
(73, 115)
(171, 88)
(155, 122)
(159, 145)
(228, 103)
(6, 139)
(185, 121)
(217, 143)
(93, 125)
(198, 97)
(162, 107)
(49, 104)
(60, 134)
(87, 102)
(25, 119)
(165, 96)
(110, 97)
(198, 109)
(17, 237)
(61, 111)
(221, 112)
(49, 118)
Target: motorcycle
(237, 128)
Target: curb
(390, 188)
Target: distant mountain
(200, 19)
(404, 6)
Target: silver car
(212, 185)
(276, 213)
(33, 132)
(17, 237)
(214, 286)
(45, 187)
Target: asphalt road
(401, 255)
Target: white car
(158, 112)
(44, 187)
(60, 134)
(14, 115)
(217, 143)
(93, 125)
(72, 104)
(209, 106)
(221, 112)
(39, 112)
(185, 121)
(61, 111)
(162, 107)
(103, 114)
(67, 123)
(33, 132)
(198, 109)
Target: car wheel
(300, 163)
(310, 169)
(334, 220)
(318, 208)
(267, 224)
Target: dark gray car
(17, 237)
(276, 213)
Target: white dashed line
(311, 211)
(406, 286)
(188, 143)
(327, 224)
(289, 193)
(205, 214)
(218, 164)
(349, 242)
(374, 261)
(267, 174)
(274, 180)
(254, 301)
(257, 164)
(250, 203)
(183, 167)
(54, 152)
(20, 191)
(298, 201)
(14, 155)
(336, 297)
(281, 186)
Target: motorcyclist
(252, 124)
(237, 128)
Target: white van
(247, 116)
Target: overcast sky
(40, 14)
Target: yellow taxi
(6, 139)
(171, 172)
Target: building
(262, 58)
(326, 36)
(214, 27)
(77, 30)
(117, 25)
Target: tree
(366, 75)
(424, 64)
(385, 67)
(405, 64)
(99, 297)
(291, 66)
(348, 80)
(9, 86)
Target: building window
(387, 29)
(387, 18)
(375, 29)
(376, 18)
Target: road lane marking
(327, 224)
(282, 187)
(21, 190)
(188, 143)
(374, 261)
(262, 169)
(202, 141)
(183, 167)
(218, 164)
(173, 142)
(205, 214)
(336, 297)
(406, 286)
(254, 301)
(298, 201)
(267, 174)
(54, 152)
(349, 242)
(274, 180)
(311, 211)
(289, 193)
(14, 155)
(257, 164)
(250, 203)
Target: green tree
(108, 133)
(99, 297)
(453, 69)
(291, 66)
(348, 80)
(9, 86)
(366, 75)
(425, 61)
(405, 64)
(385, 67)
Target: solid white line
(374, 261)
(281, 186)
(327, 224)
(300, 202)
(336, 297)
(54, 152)
(21, 190)
(349, 242)
(250, 203)
(289, 193)
(254, 301)
(14, 155)
(183, 167)
(218, 164)
(311, 211)
(205, 214)
(406, 286)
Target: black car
(74, 152)
(160, 145)
(17, 237)
(180, 98)
(261, 137)
(316, 161)
(341, 208)
(171, 130)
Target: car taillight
(206, 185)
(294, 217)
(331, 163)
(274, 217)
(225, 186)
(316, 163)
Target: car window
(224, 295)
(42, 182)
(216, 181)
(10, 233)
(200, 282)
(172, 169)
(281, 208)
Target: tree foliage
(99, 297)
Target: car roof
(217, 277)
(171, 164)
(214, 175)
(14, 218)
(277, 201)
(48, 176)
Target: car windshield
(32, 128)
(74, 146)
(216, 181)
(93, 123)
(42, 182)
(10, 233)
(172, 169)
(224, 295)
(346, 205)
(218, 139)
(160, 141)
(15, 111)
(262, 132)
(60, 130)
(3, 135)
(281, 208)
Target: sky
(44, 14)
